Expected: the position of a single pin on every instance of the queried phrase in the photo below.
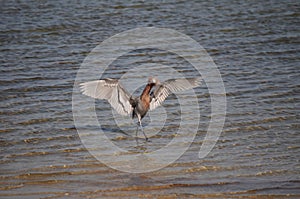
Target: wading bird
(121, 100)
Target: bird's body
(141, 104)
(124, 103)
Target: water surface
(254, 44)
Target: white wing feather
(163, 90)
(110, 90)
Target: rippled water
(254, 44)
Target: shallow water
(255, 46)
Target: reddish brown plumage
(145, 96)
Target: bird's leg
(140, 122)
(143, 131)
(136, 133)
(137, 129)
(136, 136)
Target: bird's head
(153, 80)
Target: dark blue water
(255, 46)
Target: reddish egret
(121, 100)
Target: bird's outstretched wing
(172, 86)
(110, 90)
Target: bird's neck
(146, 91)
